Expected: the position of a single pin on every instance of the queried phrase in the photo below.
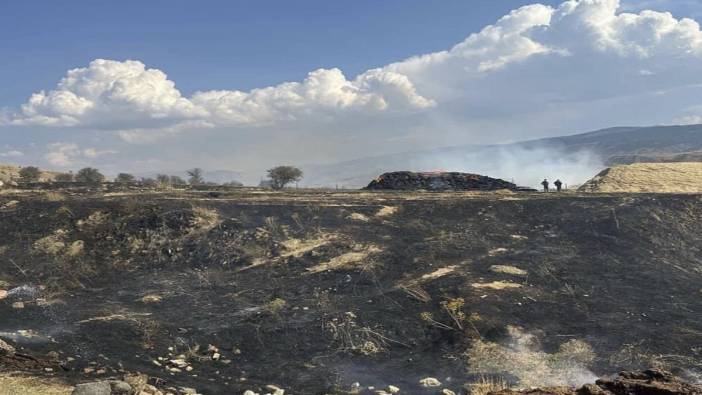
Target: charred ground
(313, 291)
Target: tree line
(278, 177)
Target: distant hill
(574, 158)
(623, 145)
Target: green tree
(29, 174)
(124, 178)
(195, 176)
(148, 182)
(64, 177)
(281, 176)
(90, 175)
(163, 180)
(177, 181)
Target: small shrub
(64, 177)
(29, 174)
(124, 178)
(275, 306)
(90, 175)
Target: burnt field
(315, 291)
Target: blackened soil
(620, 272)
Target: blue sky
(166, 85)
(227, 44)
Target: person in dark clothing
(558, 185)
(545, 184)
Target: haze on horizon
(242, 87)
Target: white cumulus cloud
(127, 96)
(65, 155)
(12, 154)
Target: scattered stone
(120, 387)
(275, 389)
(393, 390)
(53, 355)
(18, 305)
(429, 382)
(3, 294)
(447, 391)
(6, 349)
(97, 388)
(179, 363)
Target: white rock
(429, 382)
(393, 390)
(179, 363)
(249, 392)
(447, 391)
(275, 389)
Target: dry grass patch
(677, 177)
(151, 298)
(349, 260)
(358, 217)
(9, 205)
(486, 385)
(75, 249)
(54, 196)
(53, 244)
(94, 219)
(497, 285)
(497, 251)
(505, 269)
(441, 272)
(386, 211)
(18, 385)
(297, 247)
(205, 219)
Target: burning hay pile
(453, 181)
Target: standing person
(558, 185)
(545, 184)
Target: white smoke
(525, 166)
(520, 357)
